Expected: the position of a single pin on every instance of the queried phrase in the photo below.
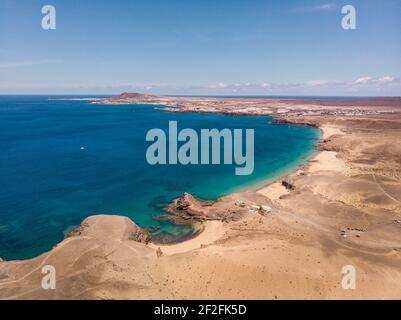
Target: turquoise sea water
(50, 184)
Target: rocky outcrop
(188, 207)
(294, 122)
(109, 226)
(288, 185)
(76, 232)
(140, 235)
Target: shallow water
(49, 183)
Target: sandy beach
(283, 241)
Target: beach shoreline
(271, 188)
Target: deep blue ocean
(61, 161)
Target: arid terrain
(286, 240)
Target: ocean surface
(61, 161)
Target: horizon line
(199, 95)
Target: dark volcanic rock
(189, 208)
(76, 232)
(140, 235)
(288, 185)
(294, 122)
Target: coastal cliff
(130, 231)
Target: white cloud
(363, 80)
(265, 87)
(386, 79)
(17, 64)
(220, 85)
(325, 7)
(364, 84)
(318, 83)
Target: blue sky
(235, 47)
